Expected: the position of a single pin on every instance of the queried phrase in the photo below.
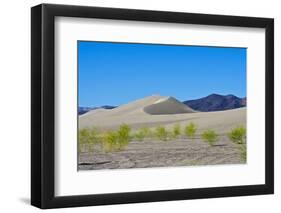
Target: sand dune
(96, 111)
(158, 110)
(151, 112)
(167, 105)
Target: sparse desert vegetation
(238, 136)
(190, 130)
(110, 141)
(161, 140)
(176, 130)
(88, 138)
(123, 135)
(210, 136)
(161, 133)
(118, 141)
(83, 138)
(91, 140)
(142, 133)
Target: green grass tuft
(161, 133)
(110, 141)
(83, 138)
(210, 136)
(88, 138)
(123, 135)
(190, 130)
(142, 133)
(238, 135)
(176, 131)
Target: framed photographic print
(139, 106)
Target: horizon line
(164, 96)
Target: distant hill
(216, 102)
(213, 102)
(83, 110)
(156, 110)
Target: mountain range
(216, 102)
(213, 102)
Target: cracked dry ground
(148, 153)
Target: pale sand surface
(134, 114)
(153, 111)
(179, 152)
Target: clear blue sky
(117, 73)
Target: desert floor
(151, 112)
(178, 152)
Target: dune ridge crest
(167, 105)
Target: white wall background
(15, 105)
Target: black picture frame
(43, 110)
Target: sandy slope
(157, 110)
(167, 106)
